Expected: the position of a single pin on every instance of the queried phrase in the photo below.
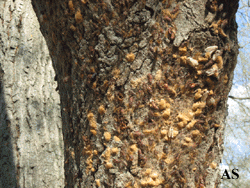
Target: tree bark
(143, 87)
(31, 145)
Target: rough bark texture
(143, 98)
(31, 143)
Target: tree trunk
(143, 87)
(31, 142)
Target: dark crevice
(150, 10)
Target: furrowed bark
(143, 88)
(31, 140)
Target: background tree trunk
(143, 87)
(31, 146)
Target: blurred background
(237, 135)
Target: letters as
(226, 174)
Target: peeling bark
(143, 88)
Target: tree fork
(143, 88)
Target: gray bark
(143, 97)
(31, 146)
